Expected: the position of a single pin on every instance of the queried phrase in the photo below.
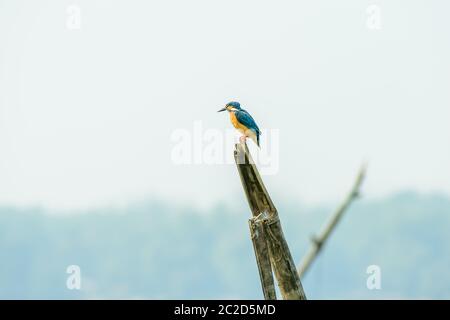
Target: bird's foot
(242, 139)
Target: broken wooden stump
(267, 233)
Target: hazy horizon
(166, 251)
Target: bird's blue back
(246, 119)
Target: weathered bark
(258, 235)
(283, 264)
(318, 242)
(264, 210)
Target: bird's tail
(252, 134)
(255, 138)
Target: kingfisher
(242, 121)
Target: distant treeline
(155, 250)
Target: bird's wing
(246, 119)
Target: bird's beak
(223, 109)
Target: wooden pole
(262, 258)
(318, 241)
(264, 210)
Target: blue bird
(243, 122)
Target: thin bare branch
(318, 242)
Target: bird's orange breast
(236, 123)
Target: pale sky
(86, 115)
